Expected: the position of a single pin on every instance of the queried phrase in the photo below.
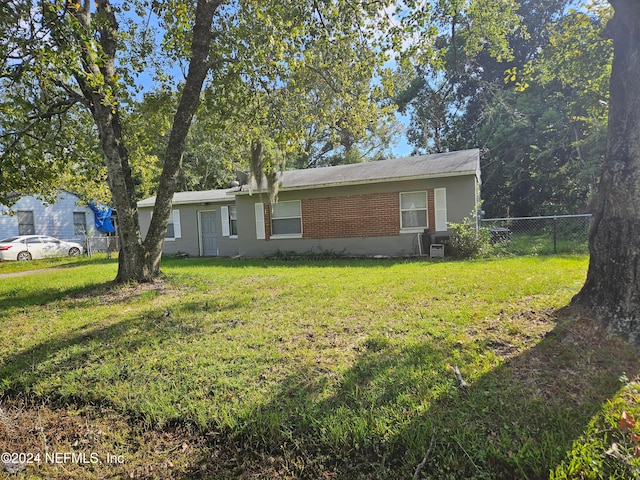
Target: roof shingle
(464, 162)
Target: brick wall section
(431, 210)
(267, 221)
(371, 215)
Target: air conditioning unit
(436, 250)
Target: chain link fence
(540, 235)
(109, 245)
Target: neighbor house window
(413, 210)
(286, 218)
(26, 225)
(79, 223)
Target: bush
(469, 241)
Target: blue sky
(402, 149)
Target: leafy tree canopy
(539, 115)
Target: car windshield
(9, 240)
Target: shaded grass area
(335, 369)
(9, 267)
(544, 244)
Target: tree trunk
(101, 101)
(612, 289)
(198, 69)
(140, 261)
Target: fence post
(555, 235)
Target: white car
(28, 247)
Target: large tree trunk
(101, 100)
(198, 69)
(140, 261)
(612, 289)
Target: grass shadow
(266, 263)
(395, 408)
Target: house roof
(204, 196)
(465, 162)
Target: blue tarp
(102, 215)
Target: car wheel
(74, 252)
(24, 256)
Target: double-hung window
(229, 219)
(174, 229)
(413, 210)
(26, 224)
(79, 223)
(286, 219)
(233, 221)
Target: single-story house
(374, 208)
(65, 218)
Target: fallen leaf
(614, 450)
(626, 422)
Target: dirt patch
(113, 293)
(90, 442)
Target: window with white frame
(233, 221)
(79, 223)
(173, 228)
(26, 224)
(413, 210)
(286, 218)
(229, 221)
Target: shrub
(469, 241)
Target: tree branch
(421, 465)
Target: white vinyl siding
(286, 219)
(440, 206)
(413, 211)
(260, 230)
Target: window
(173, 228)
(26, 225)
(413, 210)
(233, 221)
(79, 223)
(286, 219)
(229, 221)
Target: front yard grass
(328, 369)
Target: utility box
(436, 250)
(425, 242)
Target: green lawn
(328, 369)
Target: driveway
(28, 272)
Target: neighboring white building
(65, 219)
